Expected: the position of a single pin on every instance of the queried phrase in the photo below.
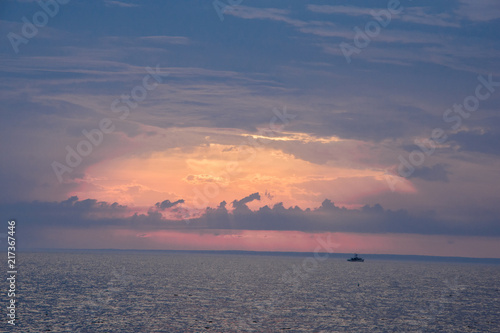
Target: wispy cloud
(345, 10)
(115, 3)
(479, 10)
(273, 14)
(419, 15)
(166, 39)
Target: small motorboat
(356, 258)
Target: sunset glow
(262, 131)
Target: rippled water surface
(180, 292)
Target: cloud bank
(74, 213)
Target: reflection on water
(145, 292)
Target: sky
(368, 126)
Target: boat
(356, 258)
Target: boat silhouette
(356, 258)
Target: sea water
(192, 292)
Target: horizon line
(414, 257)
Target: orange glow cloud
(210, 173)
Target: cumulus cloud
(69, 212)
(240, 205)
(167, 204)
(89, 213)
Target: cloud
(115, 3)
(346, 10)
(167, 204)
(241, 205)
(274, 14)
(166, 39)
(85, 214)
(423, 15)
(69, 212)
(419, 15)
(351, 120)
(480, 141)
(435, 173)
(268, 195)
(479, 10)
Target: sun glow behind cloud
(215, 171)
(212, 129)
(298, 137)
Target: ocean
(197, 292)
